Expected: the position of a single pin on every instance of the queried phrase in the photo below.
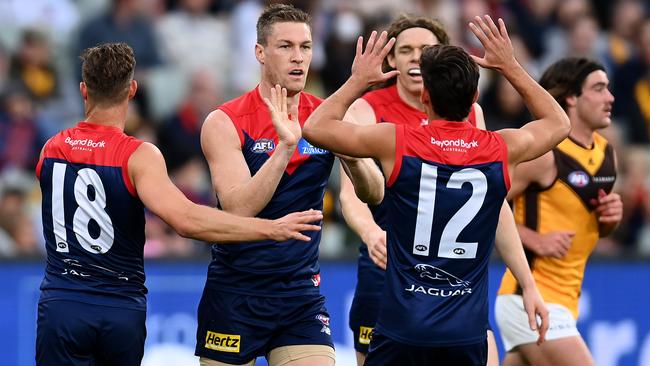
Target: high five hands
(366, 66)
(499, 53)
(285, 122)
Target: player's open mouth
(414, 73)
(296, 73)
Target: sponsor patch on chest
(305, 148)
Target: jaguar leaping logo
(436, 273)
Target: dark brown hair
(566, 77)
(404, 22)
(107, 71)
(278, 13)
(451, 78)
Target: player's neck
(265, 91)
(107, 116)
(409, 98)
(582, 134)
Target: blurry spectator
(632, 90)
(32, 67)
(19, 136)
(17, 232)
(179, 137)
(503, 107)
(125, 22)
(533, 19)
(4, 68)
(243, 37)
(635, 193)
(624, 21)
(445, 11)
(192, 39)
(163, 242)
(575, 33)
(469, 9)
(56, 17)
(346, 24)
(583, 36)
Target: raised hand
(367, 63)
(499, 53)
(291, 225)
(286, 124)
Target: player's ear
(476, 95)
(571, 101)
(83, 90)
(259, 53)
(133, 87)
(391, 60)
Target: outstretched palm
(367, 64)
(499, 53)
(286, 124)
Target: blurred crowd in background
(192, 55)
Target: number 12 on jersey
(449, 246)
(90, 197)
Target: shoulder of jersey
(245, 104)
(379, 96)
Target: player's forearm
(529, 237)
(511, 249)
(331, 112)
(356, 213)
(212, 225)
(251, 198)
(551, 117)
(367, 179)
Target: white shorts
(512, 321)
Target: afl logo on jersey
(578, 178)
(421, 248)
(263, 146)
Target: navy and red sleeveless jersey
(270, 268)
(93, 221)
(444, 196)
(388, 106)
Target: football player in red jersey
(399, 102)
(96, 182)
(261, 166)
(422, 319)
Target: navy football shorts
(75, 333)
(237, 328)
(385, 351)
(363, 316)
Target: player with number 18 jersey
(93, 224)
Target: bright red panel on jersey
(92, 144)
(450, 143)
(249, 114)
(390, 107)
